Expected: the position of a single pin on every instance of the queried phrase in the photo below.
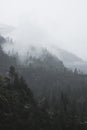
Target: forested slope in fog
(51, 96)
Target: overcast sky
(64, 20)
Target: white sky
(64, 20)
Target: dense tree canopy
(19, 109)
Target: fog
(29, 39)
(48, 23)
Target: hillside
(53, 98)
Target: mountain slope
(70, 60)
(68, 57)
(46, 76)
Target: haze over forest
(60, 23)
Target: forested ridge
(43, 95)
